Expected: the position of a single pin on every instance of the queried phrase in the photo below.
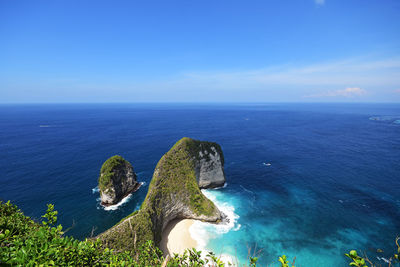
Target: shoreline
(133, 190)
(176, 237)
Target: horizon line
(200, 103)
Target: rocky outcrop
(173, 193)
(117, 180)
(209, 165)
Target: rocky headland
(117, 180)
(174, 193)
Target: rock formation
(209, 164)
(173, 193)
(117, 180)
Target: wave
(119, 204)
(227, 209)
(204, 232)
(116, 206)
(95, 190)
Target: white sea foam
(198, 231)
(95, 190)
(228, 209)
(119, 204)
(266, 164)
(204, 232)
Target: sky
(199, 51)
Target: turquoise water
(311, 181)
(269, 237)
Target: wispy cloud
(336, 74)
(348, 92)
(319, 2)
(320, 81)
(355, 79)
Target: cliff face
(173, 193)
(117, 180)
(209, 165)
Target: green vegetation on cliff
(194, 147)
(107, 171)
(175, 177)
(173, 185)
(24, 242)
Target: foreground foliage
(24, 242)
(359, 261)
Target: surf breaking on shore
(177, 238)
(185, 234)
(116, 206)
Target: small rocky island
(174, 193)
(117, 180)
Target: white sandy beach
(176, 237)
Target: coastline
(181, 234)
(116, 206)
(130, 192)
(176, 237)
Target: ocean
(311, 181)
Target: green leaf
(353, 253)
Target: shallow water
(311, 181)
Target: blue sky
(200, 51)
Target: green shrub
(359, 261)
(284, 261)
(24, 242)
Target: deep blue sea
(311, 181)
